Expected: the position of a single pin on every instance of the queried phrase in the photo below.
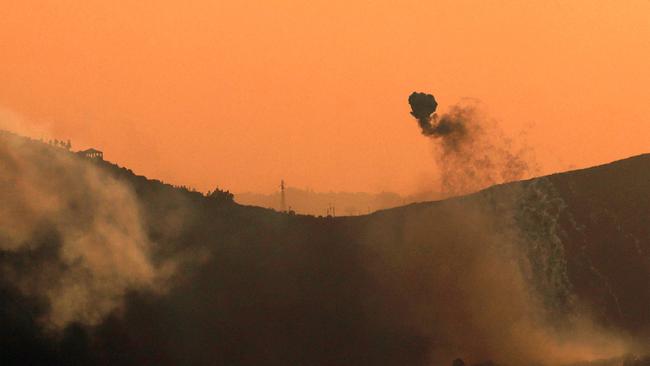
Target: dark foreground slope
(103, 267)
(606, 235)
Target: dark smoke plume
(423, 108)
(471, 153)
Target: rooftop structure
(92, 154)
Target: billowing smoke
(69, 232)
(453, 127)
(469, 278)
(471, 151)
(497, 288)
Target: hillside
(104, 267)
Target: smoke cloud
(471, 151)
(73, 233)
(484, 286)
(496, 284)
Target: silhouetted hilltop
(103, 267)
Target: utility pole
(283, 202)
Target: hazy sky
(241, 94)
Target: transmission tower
(283, 201)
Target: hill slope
(101, 266)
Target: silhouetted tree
(221, 195)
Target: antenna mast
(283, 202)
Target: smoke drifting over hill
(471, 151)
(75, 233)
(487, 285)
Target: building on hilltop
(92, 154)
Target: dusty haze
(243, 94)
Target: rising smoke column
(471, 151)
(507, 296)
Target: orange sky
(241, 94)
